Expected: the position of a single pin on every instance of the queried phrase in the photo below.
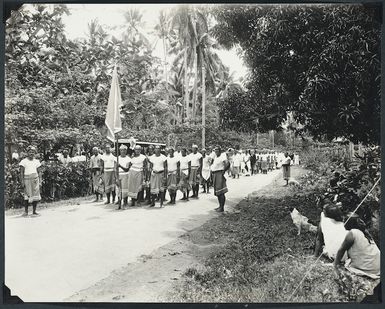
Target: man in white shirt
(196, 168)
(124, 161)
(80, 158)
(109, 173)
(185, 167)
(177, 153)
(15, 156)
(236, 163)
(296, 159)
(65, 158)
(158, 168)
(242, 158)
(219, 166)
(173, 171)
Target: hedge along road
(69, 248)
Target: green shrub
(13, 190)
(58, 182)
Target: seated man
(331, 232)
(362, 251)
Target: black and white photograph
(192, 153)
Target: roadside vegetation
(263, 260)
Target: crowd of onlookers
(251, 161)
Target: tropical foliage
(57, 89)
(321, 63)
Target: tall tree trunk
(195, 90)
(186, 92)
(166, 70)
(203, 106)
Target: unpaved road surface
(69, 249)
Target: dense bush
(338, 180)
(13, 190)
(59, 182)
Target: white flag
(113, 118)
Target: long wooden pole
(203, 106)
(117, 166)
(186, 92)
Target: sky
(111, 17)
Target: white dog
(293, 182)
(301, 222)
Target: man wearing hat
(109, 173)
(196, 167)
(96, 168)
(122, 184)
(158, 172)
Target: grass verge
(263, 260)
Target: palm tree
(134, 31)
(163, 29)
(184, 39)
(212, 70)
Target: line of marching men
(145, 178)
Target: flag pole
(117, 169)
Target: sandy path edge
(153, 276)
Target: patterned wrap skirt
(206, 173)
(157, 182)
(172, 182)
(184, 183)
(194, 176)
(135, 183)
(219, 183)
(123, 181)
(286, 171)
(97, 182)
(109, 181)
(32, 188)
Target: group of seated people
(346, 239)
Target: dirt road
(71, 248)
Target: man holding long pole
(113, 118)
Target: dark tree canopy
(320, 62)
